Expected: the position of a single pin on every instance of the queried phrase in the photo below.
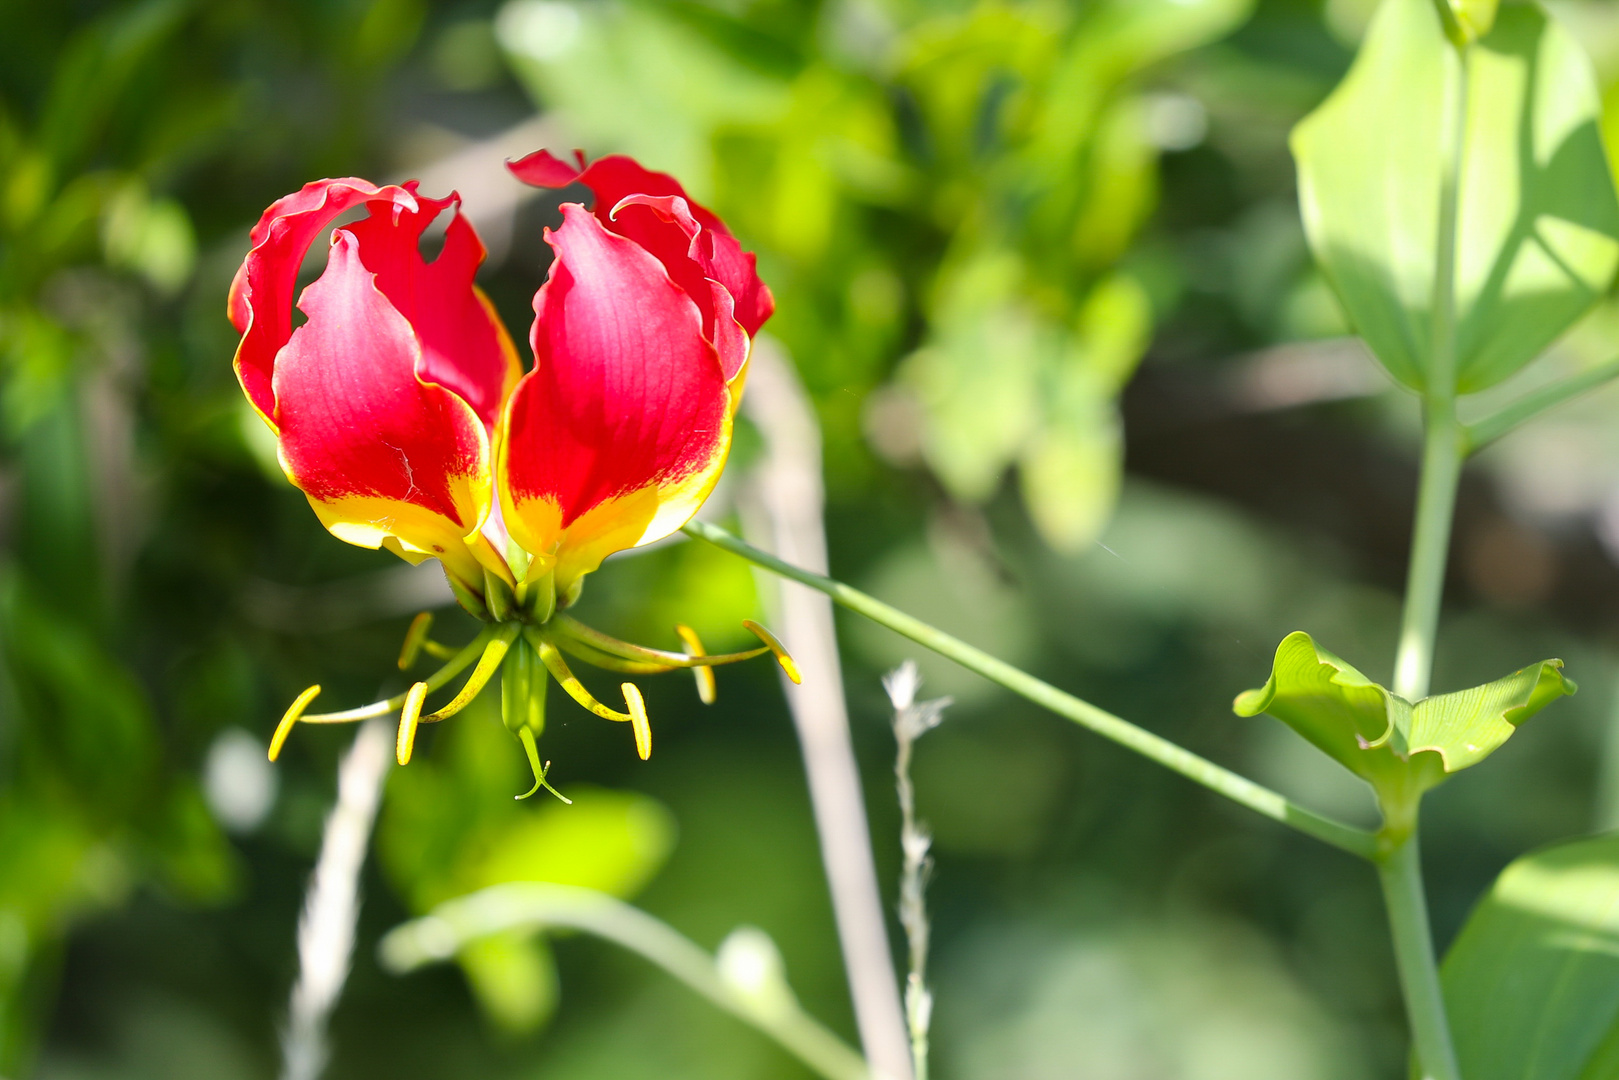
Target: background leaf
(1532, 982)
(1538, 226)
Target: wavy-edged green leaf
(1532, 981)
(1345, 714)
(1468, 726)
(1397, 747)
(1538, 219)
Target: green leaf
(1334, 706)
(1399, 748)
(1070, 469)
(1475, 17)
(514, 978)
(1538, 220)
(611, 841)
(1532, 982)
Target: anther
(415, 638)
(409, 716)
(289, 718)
(638, 720)
(703, 675)
(775, 647)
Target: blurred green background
(1086, 403)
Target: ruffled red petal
(464, 345)
(377, 449)
(261, 296)
(619, 432)
(614, 179)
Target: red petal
(378, 451)
(664, 225)
(619, 432)
(614, 178)
(541, 169)
(464, 345)
(260, 305)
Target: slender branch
(1480, 433)
(1216, 778)
(535, 906)
(786, 487)
(1401, 876)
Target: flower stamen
(565, 627)
(494, 652)
(409, 717)
(638, 721)
(291, 717)
(417, 642)
(558, 667)
(776, 647)
(706, 690)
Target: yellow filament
(565, 628)
(409, 716)
(704, 675)
(415, 638)
(559, 670)
(638, 720)
(458, 663)
(775, 647)
(289, 718)
(488, 664)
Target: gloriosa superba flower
(401, 409)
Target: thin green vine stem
(536, 906)
(1216, 778)
(1400, 874)
(1399, 865)
(1480, 433)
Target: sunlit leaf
(1399, 748)
(1538, 222)
(978, 377)
(1475, 17)
(514, 978)
(610, 841)
(1070, 471)
(1532, 982)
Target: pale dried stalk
(332, 904)
(786, 487)
(912, 720)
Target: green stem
(1198, 769)
(1480, 433)
(1444, 445)
(1430, 548)
(1443, 438)
(1400, 872)
(540, 906)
